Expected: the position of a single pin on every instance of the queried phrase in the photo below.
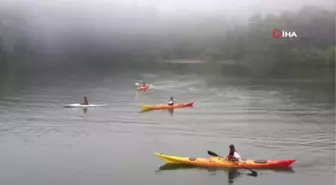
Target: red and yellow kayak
(220, 162)
(143, 88)
(166, 106)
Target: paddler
(143, 85)
(85, 101)
(233, 154)
(171, 101)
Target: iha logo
(277, 34)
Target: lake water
(42, 143)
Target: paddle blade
(254, 174)
(213, 154)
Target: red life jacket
(231, 155)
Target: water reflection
(171, 111)
(146, 110)
(85, 110)
(231, 173)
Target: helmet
(171, 98)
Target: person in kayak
(233, 154)
(171, 101)
(143, 85)
(85, 101)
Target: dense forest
(145, 35)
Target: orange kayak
(220, 162)
(165, 106)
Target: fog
(107, 27)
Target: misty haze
(90, 90)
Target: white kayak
(77, 105)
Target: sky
(233, 6)
(197, 6)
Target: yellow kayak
(220, 162)
(165, 106)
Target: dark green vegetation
(315, 43)
(145, 35)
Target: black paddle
(216, 155)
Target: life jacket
(171, 102)
(233, 155)
(86, 102)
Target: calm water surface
(42, 143)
